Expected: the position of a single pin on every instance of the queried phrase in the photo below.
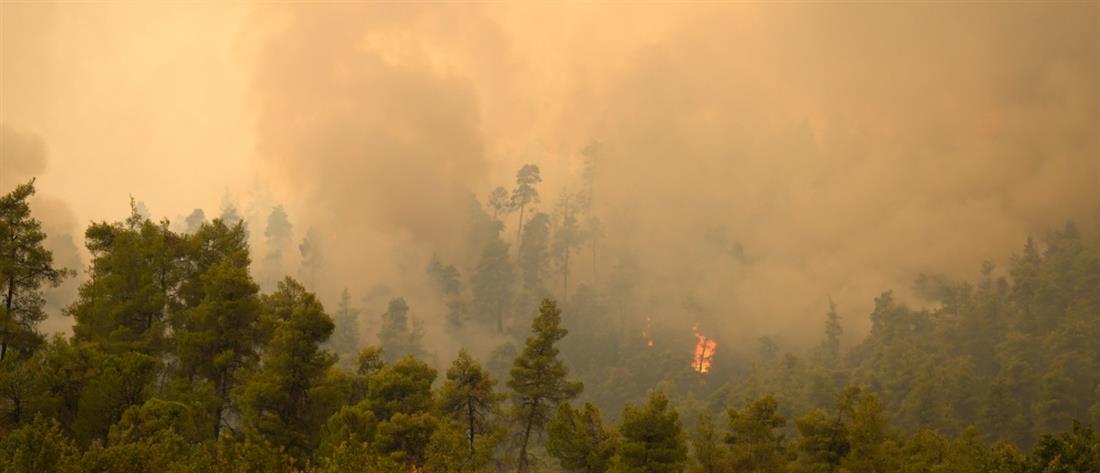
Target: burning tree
(704, 351)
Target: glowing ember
(704, 351)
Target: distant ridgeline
(178, 363)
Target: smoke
(755, 160)
(376, 151)
(846, 156)
(24, 156)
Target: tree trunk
(7, 315)
(522, 466)
(519, 231)
(223, 394)
(470, 417)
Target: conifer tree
(399, 334)
(282, 401)
(449, 283)
(525, 193)
(468, 400)
(578, 440)
(278, 235)
(539, 382)
(25, 267)
(651, 438)
(754, 438)
(492, 284)
(220, 335)
(709, 453)
(345, 337)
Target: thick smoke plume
(754, 160)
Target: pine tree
(281, 401)
(25, 267)
(133, 289)
(399, 334)
(532, 258)
(578, 440)
(345, 337)
(449, 283)
(829, 351)
(278, 235)
(651, 438)
(755, 439)
(467, 398)
(492, 284)
(313, 259)
(822, 442)
(709, 454)
(221, 333)
(866, 430)
(539, 381)
(525, 193)
(400, 397)
(499, 203)
(567, 238)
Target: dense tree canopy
(179, 362)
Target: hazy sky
(845, 147)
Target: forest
(178, 361)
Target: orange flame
(704, 351)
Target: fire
(704, 351)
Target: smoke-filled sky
(844, 148)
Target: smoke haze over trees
(835, 237)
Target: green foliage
(403, 387)
(579, 441)
(400, 334)
(651, 438)
(19, 386)
(400, 397)
(136, 272)
(822, 443)
(568, 237)
(355, 458)
(218, 336)
(448, 282)
(345, 335)
(157, 415)
(277, 235)
(287, 400)
(178, 364)
(1070, 452)
(313, 259)
(532, 259)
(39, 446)
(754, 437)
(468, 400)
(538, 381)
(709, 454)
(525, 192)
(117, 382)
(866, 431)
(25, 267)
(492, 284)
